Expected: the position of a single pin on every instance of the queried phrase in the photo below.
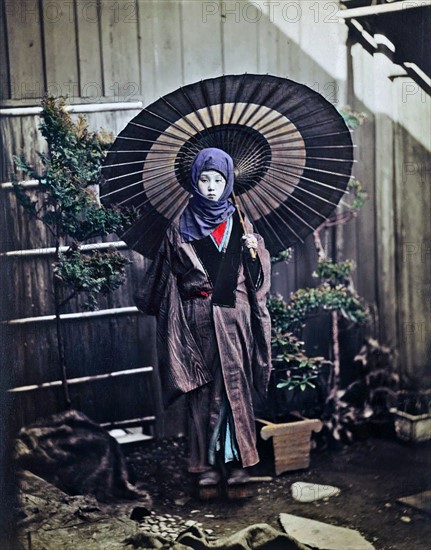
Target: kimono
(213, 336)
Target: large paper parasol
(292, 153)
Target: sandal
(238, 484)
(209, 485)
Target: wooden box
(291, 442)
(412, 428)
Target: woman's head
(212, 174)
(212, 185)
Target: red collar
(218, 232)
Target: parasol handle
(241, 219)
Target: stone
(310, 492)
(139, 513)
(59, 513)
(190, 523)
(420, 501)
(406, 519)
(323, 535)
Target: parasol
(292, 154)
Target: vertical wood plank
(121, 70)
(4, 57)
(27, 78)
(201, 38)
(147, 19)
(322, 51)
(288, 36)
(89, 54)
(385, 220)
(364, 170)
(267, 40)
(240, 26)
(61, 49)
(160, 47)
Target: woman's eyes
(207, 181)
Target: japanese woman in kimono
(213, 326)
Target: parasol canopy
(291, 149)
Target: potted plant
(293, 371)
(293, 374)
(412, 415)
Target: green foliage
(335, 293)
(358, 193)
(92, 273)
(291, 362)
(67, 201)
(283, 256)
(308, 301)
(352, 118)
(366, 399)
(334, 273)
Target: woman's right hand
(249, 241)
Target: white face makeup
(211, 184)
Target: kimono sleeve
(260, 319)
(149, 296)
(181, 365)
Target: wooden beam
(81, 379)
(133, 422)
(381, 9)
(71, 316)
(28, 184)
(51, 251)
(87, 108)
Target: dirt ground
(371, 474)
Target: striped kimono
(213, 337)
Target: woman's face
(211, 184)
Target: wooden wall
(390, 240)
(127, 50)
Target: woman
(213, 327)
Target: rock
(406, 519)
(309, 492)
(322, 535)
(59, 514)
(139, 513)
(190, 523)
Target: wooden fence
(125, 52)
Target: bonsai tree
(335, 295)
(293, 371)
(67, 204)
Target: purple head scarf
(203, 215)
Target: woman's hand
(249, 241)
